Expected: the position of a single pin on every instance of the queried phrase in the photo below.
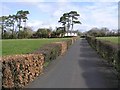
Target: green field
(22, 46)
(111, 39)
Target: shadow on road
(96, 72)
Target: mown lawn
(112, 39)
(22, 46)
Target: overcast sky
(46, 13)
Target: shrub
(19, 70)
(118, 61)
(107, 50)
(50, 51)
(63, 45)
(69, 42)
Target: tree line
(102, 32)
(13, 23)
(67, 20)
(14, 26)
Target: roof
(71, 31)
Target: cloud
(92, 14)
(45, 7)
(59, 1)
(4, 10)
(62, 0)
(22, 0)
(36, 24)
(90, 0)
(105, 14)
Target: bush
(19, 70)
(118, 61)
(69, 42)
(50, 51)
(63, 45)
(107, 50)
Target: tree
(27, 33)
(69, 19)
(53, 34)
(99, 32)
(3, 24)
(19, 18)
(104, 31)
(74, 18)
(60, 31)
(80, 33)
(63, 20)
(11, 24)
(43, 33)
(6, 34)
(25, 18)
(67, 16)
(21, 15)
(93, 32)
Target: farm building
(71, 33)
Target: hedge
(108, 50)
(50, 51)
(19, 70)
(63, 45)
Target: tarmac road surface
(80, 67)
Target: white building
(71, 33)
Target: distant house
(71, 33)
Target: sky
(46, 14)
